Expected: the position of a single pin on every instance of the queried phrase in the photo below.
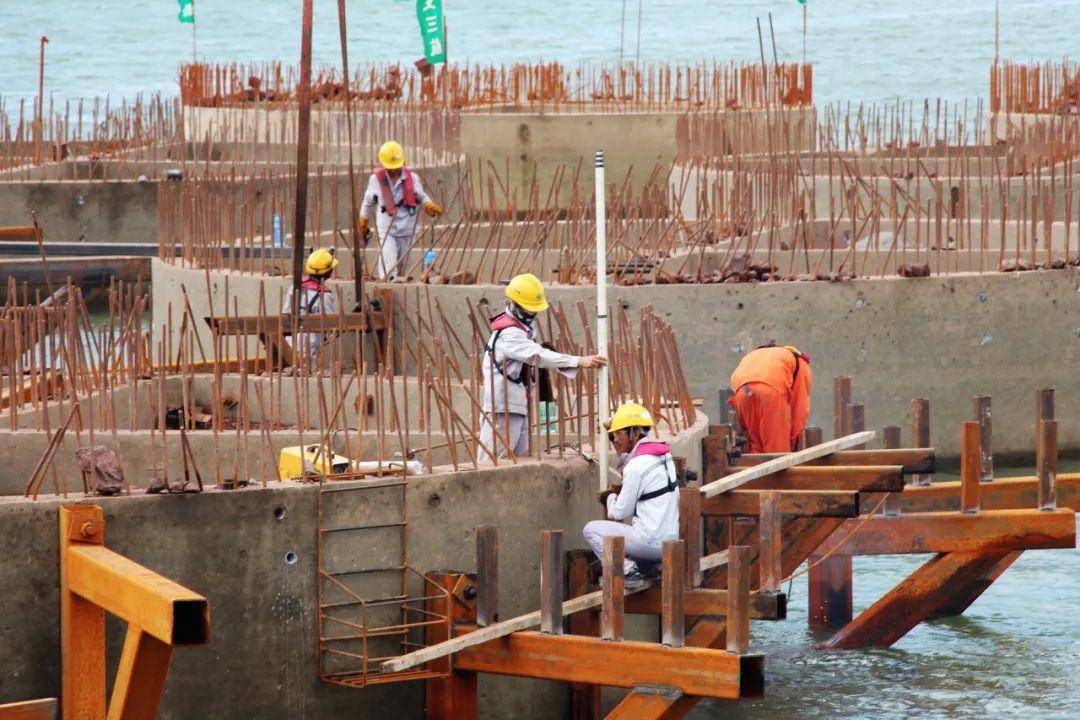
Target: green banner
(187, 11)
(430, 15)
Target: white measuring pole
(601, 312)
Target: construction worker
(648, 497)
(506, 379)
(772, 397)
(315, 296)
(394, 193)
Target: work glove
(602, 496)
(364, 229)
(432, 208)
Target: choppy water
(1015, 653)
(862, 49)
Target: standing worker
(315, 296)
(394, 192)
(506, 379)
(647, 498)
(772, 397)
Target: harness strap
(522, 376)
(672, 481)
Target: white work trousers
(394, 256)
(638, 546)
(519, 435)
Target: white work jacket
(312, 302)
(656, 519)
(513, 348)
(402, 224)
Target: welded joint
(664, 692)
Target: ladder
(372, 606)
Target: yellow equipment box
(295, 461)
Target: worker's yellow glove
(432, 208)
(363, 227)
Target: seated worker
(506, 379)
(648, 496)
(315, 297)
(772, 397)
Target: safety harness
(672, 481)
(501, 322)
(318, 289)
(408, 198)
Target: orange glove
(432, 208)
(364, 227)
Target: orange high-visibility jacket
(784, 371)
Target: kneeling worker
(506, 378)
(772, 397)
(393, 193)
(648, 496)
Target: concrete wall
(537, 145)
(231, 547)
(944, 338)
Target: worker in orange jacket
(772, 397)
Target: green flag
(187, 11)
(430, 15)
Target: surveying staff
(506, 379)
(315, 296)
(394, 192)
(772, 397)
(648, 496)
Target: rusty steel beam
(918, 597)
(863, 478)
(801, 503)
(692, 670)
(1002, 494)
(914, 460)
(948, 532)
(709, 602)
(42, 709)
(140, 678)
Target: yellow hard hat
(391, 155)
(320, 262)
(630, 415)
(528, 292)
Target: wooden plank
(802, 503)
(954, 532)
(43, 709)
(140, 677)
(673, 583)
(519, 623)
(914, 599)
(694, 670)
(702, 602)
(82, 623)
(912, 460)
(783, 462)
(282, 324)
